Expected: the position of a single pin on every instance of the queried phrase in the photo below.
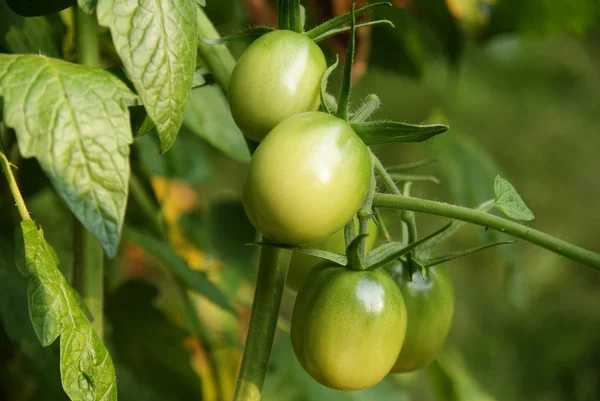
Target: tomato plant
(278, 76)
(429, 303)
(296, 189)
(348, 326)
(140, 160)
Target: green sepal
(410, 166)
(324, 79)
(341, 20)
(381, 224)
(289, 15)
(510, 202)
(459, 254)
(380, 132)
(333, 32)
(414, 177)
(330, 256)
(387, 253)
(355, 261)
(248, 34)
(346, 87)
(369, 106)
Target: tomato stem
(272, 271)
(14, 188)
(485, 219)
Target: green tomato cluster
(351, 328)
(307, 178)
(310, 172)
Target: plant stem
(88, 273)
(88, 267)
(12, 183)
(272, 271)
(482, 218)
(87, 43)
(385, 177)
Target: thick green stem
(88, 267)
(14, 188)
(88, 273)
(87, 41)
(272, 271)
(484, 219)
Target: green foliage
(324, 82)
(86, 368)
(380, 132)
(156, 42)
(248, 34)
(80, 115)
(193, 279)
(28, 35)
(338, 21)
(344, 97)
(157, 361)
(289, 15)
(509, 201)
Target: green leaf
(387, 253)
(459, 254)
(248, 34)
(195, 280)
(73, 120)
(207, 115)
(319, 253)
(369, 106)
(35, 8)
(86, 368)
(336, 31)
(149, 345)
(289, 15)
(341, 20)
(509, 201)
(324, 81)
(380, 132)
(29, 35)
(344, 98)
(156, 41)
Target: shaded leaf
(156, 42)
(459, 254)
(510, 202)
(195, 280)
(157, 359)
(28, 35)
(319, 253)
(336, 31)
(207, 115)
(380, 132)
(86, 368)
(73, 120)
(342, 20)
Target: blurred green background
(519, 85)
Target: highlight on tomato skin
(348, 326)
(298, 188)
(429, 303)
(278, 76)
(301, 263)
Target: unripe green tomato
(278, 76)
(430, 308)
(306, 179)
(348, 326)
(301, 263)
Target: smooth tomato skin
(301, 263)
(430, 309)
(279, 75)
(348, 326)
(306, 179)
